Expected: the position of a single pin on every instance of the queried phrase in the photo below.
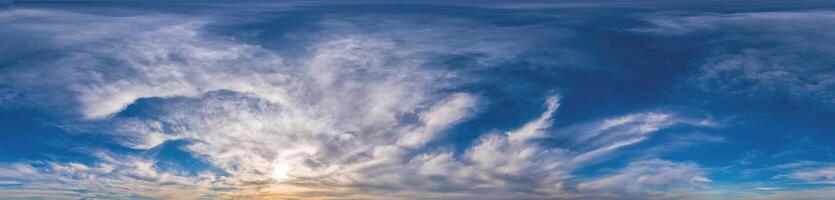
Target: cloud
(813, 175)
(353, 113)
(597, 139)
(755, 54)
(820, 193)
(108, 62)
(229, 130)
(657, 179)
(112, 177)
(334, 109)
(794, 180)
(438, 118)
(768, 188)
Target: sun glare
(280, 171)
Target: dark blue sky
(417, 100)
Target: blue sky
(417, 100)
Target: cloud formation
(656, 179)
(353, 114)
(112, 177)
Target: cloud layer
(373, 106)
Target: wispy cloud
(114, 177)
(353, 113)
(649, 179)
(817, 175)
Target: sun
(280, 171)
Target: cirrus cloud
(354, 113)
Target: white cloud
(597, 139)
(814, 175)
(350, 116)
(768, 188)
(119, 177)
(536, 128)
(657, 179)
(438, 118)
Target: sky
(603, 100)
